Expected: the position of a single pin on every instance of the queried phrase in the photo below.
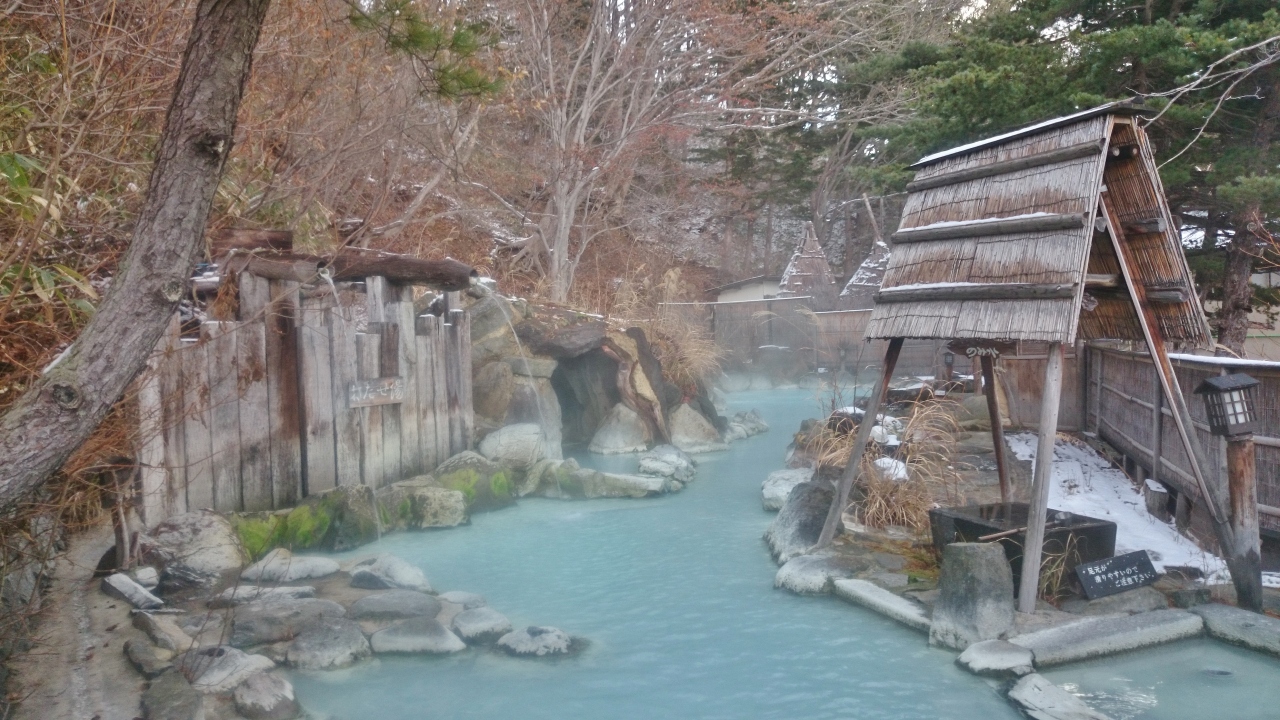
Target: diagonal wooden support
(997, 427)
(841, 497)
(1029, 587)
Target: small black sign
(1116, 574)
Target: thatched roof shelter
(1001, 240)
(809, 273)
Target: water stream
(675, 594)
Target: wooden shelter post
(841, 496)
(1029, 588)
(997, 426)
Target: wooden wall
(300, 394)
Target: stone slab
(1097, 637)
(874, 597)
(1042, 700)
(1241, 627)
(1142, 599)
(996, 658)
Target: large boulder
(518, 446)
(534, 400)
(266, 696)
(975, 598)
(799, 523)
(241, 594)
(282, 566)
(123, 587)
(197, 549)
(268, 621)
(327, 644)
(1040, 699)
(775, 488)
(416, 635)
(336, 520)
(485, 484)
(814, 574)
(388, 572)
(480, 625)
(491, 394)
(468, 600)
(171, 697)
(535, 641)
(693, 433)
(668, 461)
(420, 503)
(142, 656)
(623, 431)
(394, 605)
(219, 669)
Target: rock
(1190, 597)
(536, 641)
(799, 523)
(164, 632)
(532, 480)
(468, 601)
(517, 446)
(996, 658)
(220, 668)
(1241, 627)
(534, 400)
(1143, 599)
(813, 574)
(491, 393)
(975, 601)
(750, 422)
(890, 580)
(268, 621)
(122, 587)
(281, 566)
(874, 597)
(388, 572)
(974, 415)
(890, 469)
(394, 605)
(1096, 637)
(421, 503)
(480, 625)
(534, 367)
(266, 696)
(693, 433)
(610, 485)
(734, 432)
(194, 549)
(416, 635)
(775, 488)
(351, 514)
(171, 697)
(889, 561)
(327, 644)
(1042, 700)
(668, 461)
(144, 659)
(566, 342)
(485, 484)
(242, 594)
(623, 431)
(147, 576)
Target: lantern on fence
(1228, 401)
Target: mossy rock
(421, 503)
(334, 521)
(485, 484)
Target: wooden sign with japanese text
(381, 391)
(1116, 574)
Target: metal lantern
(1228, 400)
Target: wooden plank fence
(1124, 407)
(300, 394)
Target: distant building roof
(746, 281)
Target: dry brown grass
(689, 355)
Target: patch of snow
(1223, 361)
(1085, 483)
(891, 469)
(1271, 580)
(1154, 486)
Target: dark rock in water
(143, 659)
(327, 644)
(267, 696)
(485, 484)
(799, 523)
(975, 599)
(268, 621)
(171, 697)
(395, 605)
(480, 625)
(668, 461)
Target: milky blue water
(676, 596)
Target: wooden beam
(1102, 280)
(1156, 224)
(1029, 587)
(997, 427)
(841, 496)
(990, 226)
(976, 291)
(1051, 157)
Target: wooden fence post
(346, 419)
(315, 381)
(254, 416)
(1029, 588)
(368, 366)
(224, 414)
(173, 407)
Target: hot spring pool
(676, 596)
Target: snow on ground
(1085, 483)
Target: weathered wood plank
(378, 392)
(150, 450)
(975, 291)
(375, 288)
(372, 466)
(253, 298)
(315, 382)
(346, 420)
(284, 404)
(440, 398)
(425, 338)
(389, 367)
(453, 398)
(197, 441)
(224, 413)
(462, 320)
(255, 426)
(173, 406)
(990, 226)
(401, 313)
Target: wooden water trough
(1056, 232)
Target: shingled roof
(1003, 240)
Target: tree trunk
(62, 408)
